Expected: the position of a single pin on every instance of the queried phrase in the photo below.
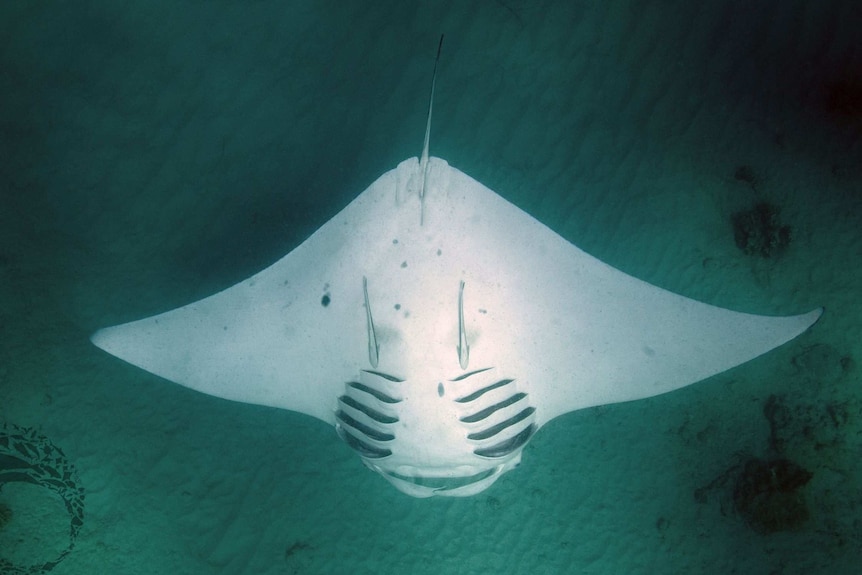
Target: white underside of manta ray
(438, 327)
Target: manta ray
(438, 327)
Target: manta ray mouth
(443, 483)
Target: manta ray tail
(423, 159)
